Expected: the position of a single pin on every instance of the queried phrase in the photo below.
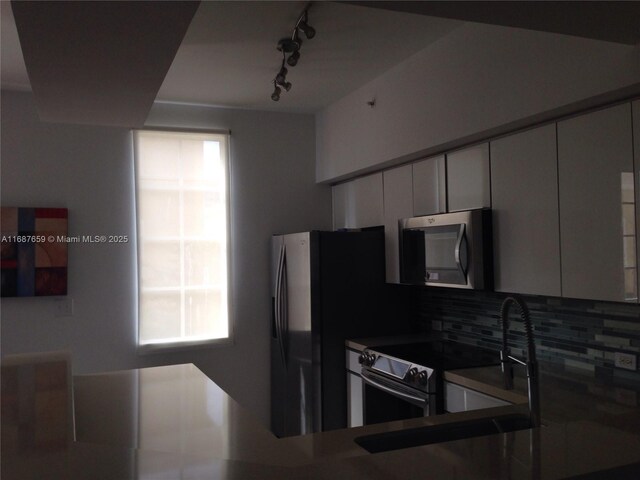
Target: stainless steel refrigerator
(326, 287)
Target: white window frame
(150, 348)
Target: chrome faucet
(507, 360)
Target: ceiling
(611, 21)
(99, 62)
(227, 56)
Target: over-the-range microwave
(448, 250)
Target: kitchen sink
(414, 437)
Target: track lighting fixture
(288, 45)
(282, 74)
(285, 85)
(293, 59)
(291, 46)
(308, 30)
(281, 79)
(275, 96)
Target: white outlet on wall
(63, 307)
(626, 361)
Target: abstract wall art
(34, 251)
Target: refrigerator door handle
(276, 311)
(285, 307)
(279, 303)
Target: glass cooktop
(441, 354)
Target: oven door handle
(407, 396)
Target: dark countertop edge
(360, 344)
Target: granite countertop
(173, 422)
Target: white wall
(89, 170)
(477, 81)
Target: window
(183, 220)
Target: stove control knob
(371, 359)
(423, 377)
(412, 374)
(362, 359)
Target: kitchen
(404, 125)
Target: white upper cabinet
(597, 205)
(524, 198)
(468, 182)
(429, 186)
(358, 203)
(398, 203)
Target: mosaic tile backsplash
(578, 334)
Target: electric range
(412, 374)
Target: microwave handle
(460, 244)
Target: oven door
(386, 400)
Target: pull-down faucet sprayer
(507, 360)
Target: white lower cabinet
(355, 414)
(355, 417)
(461, 399)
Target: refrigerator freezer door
(301, 416)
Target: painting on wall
(34, 251)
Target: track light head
(275, 96)
(289, 45)
(285, 85)
(292, 61)
(282, 75)
(307, 29)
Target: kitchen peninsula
(174, 422)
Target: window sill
(155, 348)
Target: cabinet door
(524, 199)
(398, 203)
(597, 223)
(476, 401)
(468, 182)
(354, 400)
(355, 416)
(636, 162)
(339, 196)
(453, 398)
(429, 186)
(461, 399)
(358, 203)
